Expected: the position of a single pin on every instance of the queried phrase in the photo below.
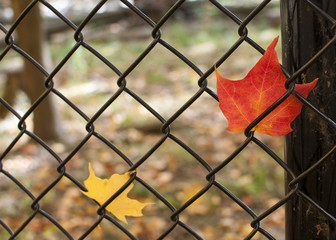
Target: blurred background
(200, 32)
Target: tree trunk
(30, 36)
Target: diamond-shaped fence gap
(77, 69)
(155, 219)
(107, 230)
(115, 55)
(213, 32)
(240, 62)
(275, 143)
(104, 161)
(180, 233)
(154, 9)
(156, 216)
(204, 130)
(240, 9)
(216, 216)
(84, 79)
(115, 24)
(166, 78)
(73, 124)
(55, 23)
(260, 182)
(69, 207)
(223, 147)
(118, 49)
(152, 224)
(15, 205)
(61, 50)
(165, 171)
(25, 161)
(75, 13)
(40, 227)
(161, 67)
(265, 26)
(126, 123)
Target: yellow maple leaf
(102, 189)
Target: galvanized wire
(203, 89)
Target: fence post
(305, 30)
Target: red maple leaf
(242, 101)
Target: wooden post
(304, 33)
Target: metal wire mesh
(158, 39)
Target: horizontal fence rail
(167, 134)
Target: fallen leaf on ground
(102, 189)
(242, 101)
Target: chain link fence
(175, 227)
